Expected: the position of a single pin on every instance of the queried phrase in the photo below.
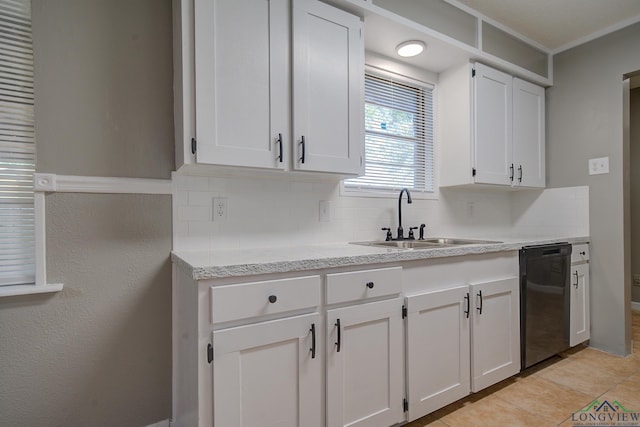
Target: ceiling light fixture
(410, 48)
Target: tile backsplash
(272, 211)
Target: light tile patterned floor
(549, 393)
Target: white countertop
(202, 265)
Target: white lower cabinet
(461, 339)
(495, 332)
(438, 370)
(268, 374)
(271, 351)
(579, 320)
(364, 365)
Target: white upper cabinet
(241, 82)
(528, 134)
(493, 126)
(492, 129)
(256, 78)
(328, 76)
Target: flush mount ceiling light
(410, 48)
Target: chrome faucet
(409, 201)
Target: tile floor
(549, 393)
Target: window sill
(9, 291)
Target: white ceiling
(557, 24)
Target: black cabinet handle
(280, 147)
(520, 173)
(339, 342)
(512, 172)
(273, 299)
(479, 308)
(302, 148)
(370, 285)
(575, 273)
(583, 253)
(313, 340)
(466, 311)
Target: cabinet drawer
(580, 253)
(355, 285)
(234, 302)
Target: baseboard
(163, 423)
(635, 305)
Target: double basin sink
(433, 242)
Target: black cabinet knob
(273, 298)
(370, 285)
(583, 253)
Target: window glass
(398, 137)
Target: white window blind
(17, 144)
(398, 137)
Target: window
(17, 145)
(398, 137)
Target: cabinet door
(495, 332)
(266, 375)
(492, 128)
(579, 320)
(328, 87)
(241, 84)
(364, 365)
(528, 134)
(437, 349)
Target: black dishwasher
(544, 301)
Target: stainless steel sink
(453, 241)
(433, 242)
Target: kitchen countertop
(203, 265)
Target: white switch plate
(598, 166)
(324, 211)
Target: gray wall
(104, 83)
(635, 188)
(99, 352)
(584, 120)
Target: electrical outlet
(219, 209)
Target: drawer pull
(273, 299)
(370, 285)
(339, 337)
(583, 253)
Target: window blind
(398, 137)
(17, 144)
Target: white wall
(554, 212)
(268, 212)
(271, 212)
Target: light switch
(598, 166)
(324, 211)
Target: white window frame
(39, 284)
(346, 191)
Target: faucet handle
(422, 226)
(411, 236)
(388, 230)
